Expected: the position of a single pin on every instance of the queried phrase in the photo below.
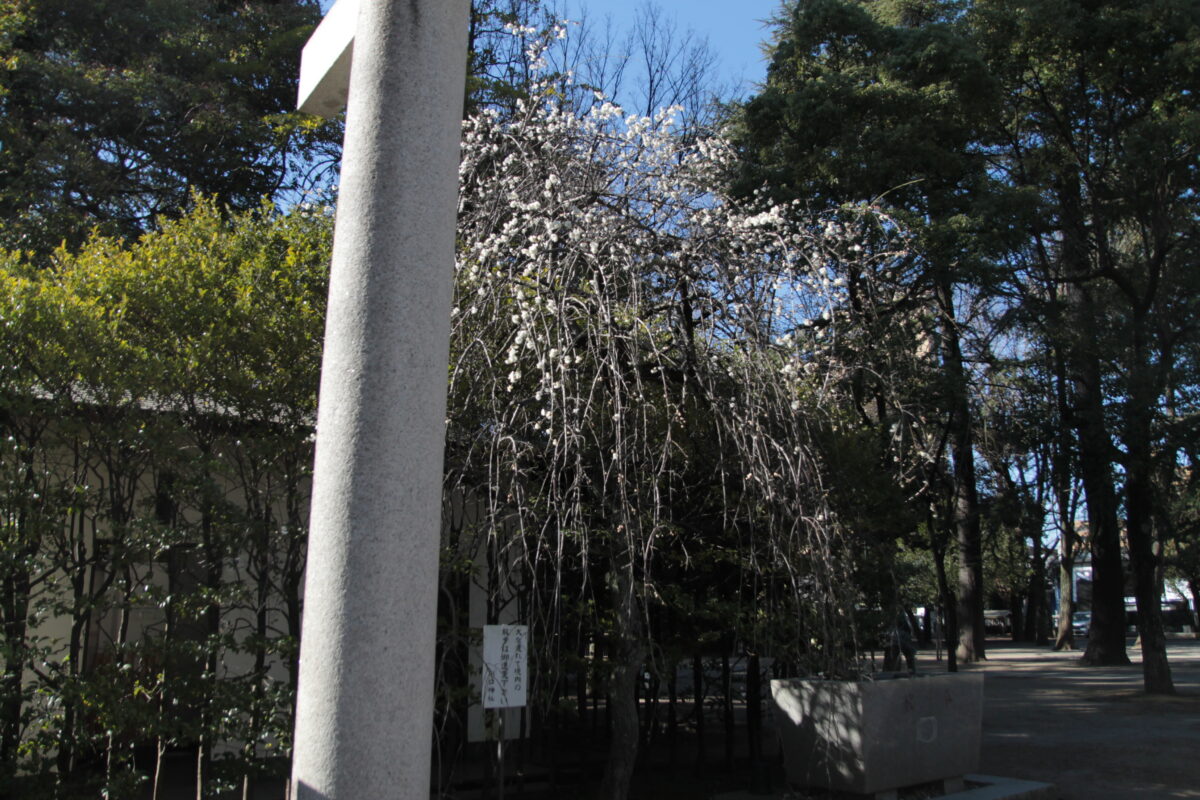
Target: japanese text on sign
(505, 665)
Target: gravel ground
(1090, 731)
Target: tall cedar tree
(882, 103)
(1101, 121)
(113, 112)
(1083, 114)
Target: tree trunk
(1064, 639)
(758, 768)
(1037, 623)
(1139, 508)
(1156, 671)
(15, 608)
(698, 698)
(581, 686)
(211, 622)
(629, 655)
(1106, 642)
(80, 616)
(968, 534)
(727, 709)
(673, 714)
(1061, 477)
(250, 748)
(947, 596)
(651, 726)
(15, 588)
(1080, 329)
(599, 689)
(1017, 610)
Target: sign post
(364, 712)
(505, 680)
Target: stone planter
(869, 737)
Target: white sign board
(505, 665)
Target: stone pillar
(365, 709)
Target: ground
(1091, 731)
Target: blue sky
(733, 28)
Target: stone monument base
(874, 737)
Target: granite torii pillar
(365, 710)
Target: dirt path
(1092, 732)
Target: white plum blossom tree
(633, 352)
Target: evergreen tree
(883, 103)
(113, 113)
(1100, 122)
(1045, 153)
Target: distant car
(1081, 621)
(997, 623)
